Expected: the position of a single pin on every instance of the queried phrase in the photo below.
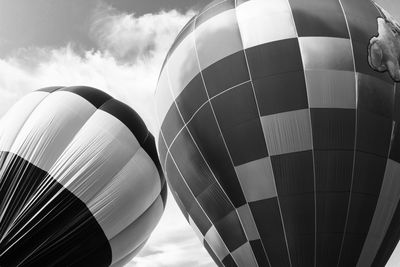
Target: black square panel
(228, 261)
(246, 142)
(281, 93)
(333, 129)
(201, 220)
(172, 124)
(373, 133)
(190, 163)
(301, 249)
(298, 213)
(191, 98)
(361, 62)
(214, 8)
(268, 221)
(328, 249)
(331, 212)
(395, 143)
(178, 184)
(226, 73)
(231, 231)
(333, 170)
(375, 95)
(369, 171)
(294, 173)
(319, 18)
(259, 252)
(362, 208)
(351, 249)
(206, 134)
(235, 106)
(215, 203)
(274, 58)
(362, 19)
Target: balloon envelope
(279, 131)
(80, 180)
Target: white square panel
(264, 21)
(327, 53)
(183, 65)
(217, 38)
(287, 132)
(257, 179)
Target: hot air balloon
(80, 180)
(279, 131)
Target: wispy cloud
(127, 63)
(129, 37)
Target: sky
(117, 46)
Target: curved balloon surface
(80, 180)
(279, 131)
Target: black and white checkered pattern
(80, 180)
(279, 141)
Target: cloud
(126, 65)
(128, 37)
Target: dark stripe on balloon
(150, 147)
(96, 97)
(56, 228)
(164, 193)
(135, 124)
(128, 117)
(49, 89)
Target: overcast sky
(114, 45)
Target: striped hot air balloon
(80, 180)
(279, 131)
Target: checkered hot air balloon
(279, 131)
(80, 180)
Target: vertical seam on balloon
(355, 132)
(219, 128)
(312, 137)
(259, 118)
(266, 146)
